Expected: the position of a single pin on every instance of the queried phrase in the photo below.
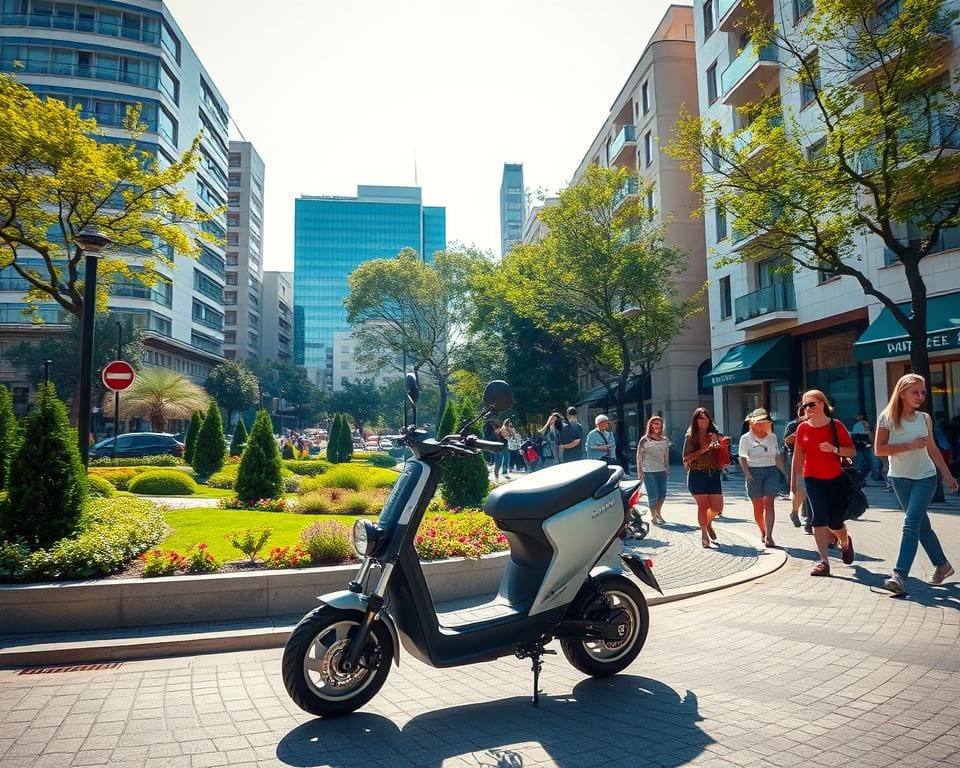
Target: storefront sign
(938, 340)
(726, 378)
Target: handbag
(853, 483)
(723, 452)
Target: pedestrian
(798, 499)
(763, 468)
(864, 461)
(601, 443)
(550, 447)
(571, 438)
(905, 436)
(703, 456)
(501, 461)
(821, 442)
(653, 466)
(512, 437)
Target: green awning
(764, 360)
(595, 396)
(887, 338)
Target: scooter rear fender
(351, 601)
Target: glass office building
(512, 206)
(335, 235)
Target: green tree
(211, 449)
(612, 257)
(64, 351)
(47, 486)
(160, 395)
(291, 383)
(361, 399)
(393, 395)
(233, 386)
(333, 439)
(345, 446)
(190, 439)
(57, 179)
(9, 435)
(466, 480)
(405, 308)
(448, 421)
(872, 157)
(239, 439)
(259, 475)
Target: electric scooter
(559, 522)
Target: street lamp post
(91, 242)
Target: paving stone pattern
(785, 671)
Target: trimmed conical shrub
(47, 487)
(239, 439)
(466, 481)
(333, 440)
(346, 440)
(448, 421)
(211, 448)
(288, 452)
(259, 474)
(9, 435)
(190, 440)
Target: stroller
(530, 451)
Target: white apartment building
(105, 57)
(774, 335)
(347, 366)
(277, 337)
(641, 119)
(243, 296)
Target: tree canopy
(233, 386)
(160, 395)
(872, 155)
(360, 399)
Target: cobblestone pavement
(785, 671)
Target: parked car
(136, 444)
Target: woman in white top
(762, 465)
(653, 466)
(905, 435)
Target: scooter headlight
(366, 537)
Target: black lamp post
(91, 242)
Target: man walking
(571, 437)
(601, 442)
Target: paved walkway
(788, 670)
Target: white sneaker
(941, 573)
(894, 584)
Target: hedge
(163, 483)
(142, 461)
(99, 487)
(308, 467)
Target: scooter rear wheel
(602, 658)
(311, 662)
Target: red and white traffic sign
(117, 375)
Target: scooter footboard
(352, 601)
(641, 570)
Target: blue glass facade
(335, 235)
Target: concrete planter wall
(123, 603)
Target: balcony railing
(630, 187)
(75, 24)
(878, 25)
(736, 236)
(627, 133)
(779, 297)
(747, 60)
(725, 5)
(925, 134)
(742, 140)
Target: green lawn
(209, 526)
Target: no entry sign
(117, 375)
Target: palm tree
(160, 395)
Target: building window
(720, 217)
(810, 87)
(726, 302)
(800, 9)
(648, 148)
(645, 97)
(649, 203)
(712, 83)
(708, 20)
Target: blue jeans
(914, 497)
(655, 484)
(502, 462)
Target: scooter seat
(541, 494)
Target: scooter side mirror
(498, 395)
(412, 386)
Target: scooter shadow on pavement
(627, 714)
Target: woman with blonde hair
(905, 436)
(763, 468)
(821, 442)
(703, 456)
(653, 466)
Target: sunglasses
(811, 404)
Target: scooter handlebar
(486, 445)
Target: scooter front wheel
(621, 598)
(311, 662)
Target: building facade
(642, 117)
(776, 333)
(106, 57)
(513, 206)
(335, 235)
(243, 296)
(277, 336)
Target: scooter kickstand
(536, 664)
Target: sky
(336, 93)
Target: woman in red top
(816, 458)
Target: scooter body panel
(353, 601)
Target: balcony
(861, 63)
(749, 75)
(743, 139)
(756, 238)
(930, 134)
(626, 138)
(768, 305)
(629, 189)
(732, 13)
(67, 21)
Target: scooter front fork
(374, 603)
